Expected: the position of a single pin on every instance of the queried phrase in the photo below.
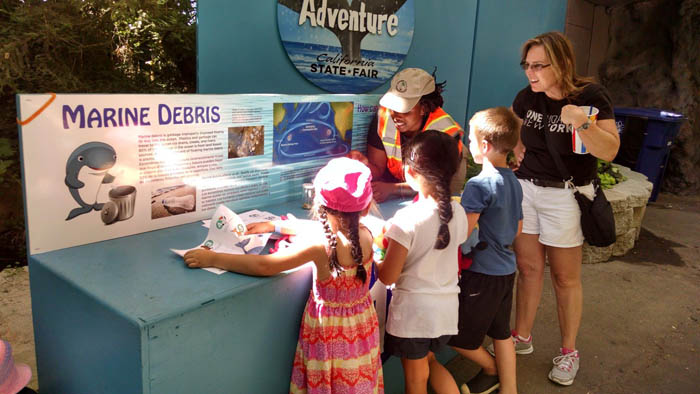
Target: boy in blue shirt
(493, 199)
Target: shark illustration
(89, 159)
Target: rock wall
(653, 60)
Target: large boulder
(629, 201)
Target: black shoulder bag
(597, 219)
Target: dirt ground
(641, 322)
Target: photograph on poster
(306, 131)
(173, 200)
(244, 141)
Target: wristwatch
(585, 125)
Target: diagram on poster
(304, 131)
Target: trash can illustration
(646, 138)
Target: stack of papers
(227, 234)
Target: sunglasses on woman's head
(534, 66)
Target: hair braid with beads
(435, 155)
(349, 223)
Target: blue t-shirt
(497, 196)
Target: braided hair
(349, 223)
(434, 155)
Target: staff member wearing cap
(412, 105)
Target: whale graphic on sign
(88, 164)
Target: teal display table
(127, 316)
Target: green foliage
(85, 46)
(609, 175)
(7, 152)
(473, 168)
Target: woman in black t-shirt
(549, 107)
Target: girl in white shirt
(421, 258)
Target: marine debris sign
(346, 46)
(97, 167)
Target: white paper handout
(227, 234)
(248, 217)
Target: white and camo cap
(407, 87)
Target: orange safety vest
(391, 137)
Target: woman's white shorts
(553, 213)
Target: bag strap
(566, 176)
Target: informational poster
(98, 167)
(346, 46)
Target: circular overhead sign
(346, 46)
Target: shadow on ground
(653, 250)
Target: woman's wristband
(585, 125)
(278, 229)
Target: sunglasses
(534, 66)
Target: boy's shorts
(553, 213)
(485, 303)
(413, 348)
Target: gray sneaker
(521, 347)
(565, 368)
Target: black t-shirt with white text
(542, 114)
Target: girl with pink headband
(338, 347)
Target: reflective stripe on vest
(391, 138)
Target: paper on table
(252, 216)
(227, 235)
